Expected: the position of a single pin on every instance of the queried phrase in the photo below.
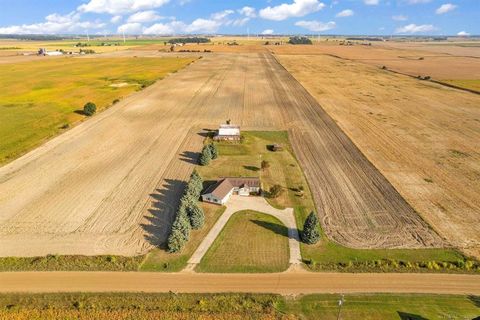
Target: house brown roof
(225, 185)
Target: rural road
(286, 283)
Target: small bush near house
(275, 191)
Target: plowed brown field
(425, 138)
(108, 185)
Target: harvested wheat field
(424, 137)
(110, 184)
(452, 65)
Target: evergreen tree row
(189, 214)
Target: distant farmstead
(222, 190)
(228, 132)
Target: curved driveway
(285, 283)
(239, 203)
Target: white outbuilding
(228, 132)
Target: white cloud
(267, 31)
(248, 12)
(463, 34)
(371, 2)
(240, 22)
(165, 28)
(131, 28)
(444, 8)
(298, 8)
(200, 25)
(400, 18)
(345, 13)
(144, 16)
(116, 19)
(55, 23)
(203, 26)
(316, 26)
(413, 28)
(120, 6)
(221, 15)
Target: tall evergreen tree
(196, 216)
(180, 232)
(206, 156)
(311, 233)
(213, 151)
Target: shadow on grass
(165, 202)
(79, 111)
(251, 168)
(410, 316)
(475, 300)
(279, 229)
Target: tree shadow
(79, 111)
(279, 229)
(207, 133)
(252, 168)
(475, 300)
(163, 211)
(190, 157)
(410, 316)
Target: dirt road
(283, 283)
(109, 186)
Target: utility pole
(123, 32)
(340, 304)
(88, 37)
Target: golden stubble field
(448, 63)
(424, 137)
(110, 184)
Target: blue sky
(162, 17)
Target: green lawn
(229, 306)
(244, 160)
(161, 260)
(250, 242)
(40, 98)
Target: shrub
(275, 190)
(206, 156)
(311, 233)
(264, 164)
(460, 264)
(116, 101)
(89, 108)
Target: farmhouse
(221, 191)
(228, 132)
